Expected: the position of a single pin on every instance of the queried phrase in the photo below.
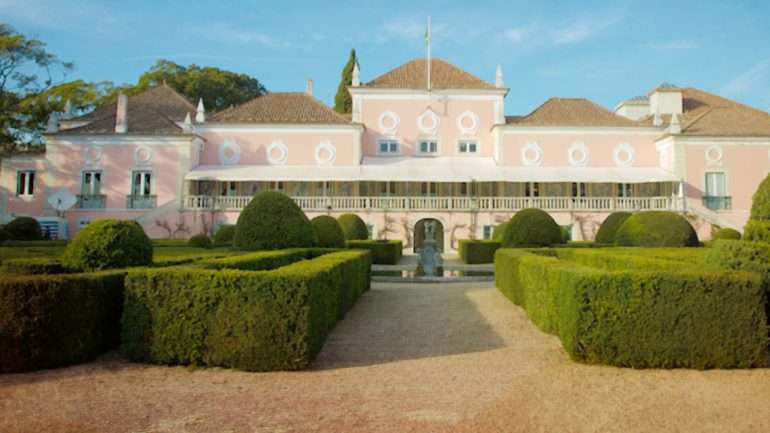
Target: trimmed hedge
(757, 230)
(383, 252)
(328, 232)
(33, 266)
(353, 227)
(499, 231)
(224, 236)
(273, 221)
(108, 244)
(257, 261)
(254, 321)
(477, 251)
(24, 229)
(740, 256)
(760, 201)
(4, 236)
(532, 228)
(199, 241)
(54, 320)
(664, 318)
(656, 229)
(727, 233)
(609, 228)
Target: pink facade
(403, 155)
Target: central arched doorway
(419, 234)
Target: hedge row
(33, 266)
(757, 230)
(53, 320)
(383, 252)
(257, 261)
(254, 321)
(741, 256)
(640, 318)
(478, 251)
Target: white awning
(430, 169)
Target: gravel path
(407, 358)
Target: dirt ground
(407, 358)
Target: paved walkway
(407, 358)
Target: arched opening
(419, 234)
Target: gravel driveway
(421, 358)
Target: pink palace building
(414, 148)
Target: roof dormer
(666, 99)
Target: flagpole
(428, 40)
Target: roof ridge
(729, 101)
(178, 95)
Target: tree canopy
(343, 103)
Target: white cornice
(722, 141)
(557, 130)
(377, 93)
(277, 127)
(119, 139)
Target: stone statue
(430, 256)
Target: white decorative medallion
(428, 122)
(578, 155)
(714, 156)
(229, 152)
(93, 154)
(277, 153)
(624, 155)
(325, 153)
(143, 155)
(468, 123)
(388, 122)
(531, 154)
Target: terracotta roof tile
(444, 75)
(154, 111)
(570, 112)
(296, 107)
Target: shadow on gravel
(396, 322)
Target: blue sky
(604, 51)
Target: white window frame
(24, 191)
(389, 152)
(142, 183)
(716, 171)
(467, 152)
(428, 152)
(486, 231)
(92, 173)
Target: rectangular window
(625, 190)
(578, 189)
(388, 147)
(428, 146)
(465, 147)
(91, 183)
(488, 232)
(25, 183)
(142, 183)
(532, 189)
(715, 185)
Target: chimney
(674, 127)
(121, 117)
(666, 99)
(356, 80)
(309, 87)
(187, 125)
(200, 113)
(499, 83)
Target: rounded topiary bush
(757, 230)
(3, 234)
(353, 227)
(499, 231)
(656, 229)
(24, 229)
(532, 228)
(224, 236)
(727, 233)
(328, 232)
(760, 201)
(199, 241)
(272, 221)
(108, 244)
(610, 226)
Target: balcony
(141, 201)
(718, 202)
(503, 204)
(91, 201)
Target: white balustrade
(235, 203)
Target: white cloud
(674, 45)
(228, 34)
(516, 35)
(61, 14)
(583, 28)
(411, 30)
(751, 83)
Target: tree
(23, 108)
(219, 88)
(343, 103)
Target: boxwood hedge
(224, 236)
(200, 240)
(757, 230)
(383, 252)
(328, 231)
(656, 229)
(658, 318)
(477, 251)
(610, 226)
(24, 229)
(532, 228)
(33, 266)
(53, 320)
(726, 233)
(254, 321)
(353, 227)
(108, 244)
(273, 221)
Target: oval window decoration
(325, 153)
(531, 154)
(388, 122)
(142, 155)
(578, 155)
(93, 154)
(468, 123)
(277, 153)
(714, 155)
(229, 152)
(624, 155)
(428, 122)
